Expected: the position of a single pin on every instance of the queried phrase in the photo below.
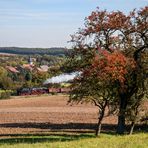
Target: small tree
(89, 89)
(5, 81)
(28, 76)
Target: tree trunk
(121, 116)
(132, 127)
(98, 129)
(121, 124)
(101, 108)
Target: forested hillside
(27, 51)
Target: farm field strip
(44, 114)
(49, 109)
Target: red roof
(12, 69)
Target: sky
(49, 23)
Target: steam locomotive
(41, 90)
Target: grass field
(76, 141)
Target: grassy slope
(78, 141)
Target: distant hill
(29, 51)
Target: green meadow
(139, 140)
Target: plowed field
(41, 114)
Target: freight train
(41, 90)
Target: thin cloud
(22, 14)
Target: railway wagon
(65, 90)
(32, 91)
(59, 90)
(54, 90)
(40, 90)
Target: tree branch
(96, 104)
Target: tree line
(26, 51)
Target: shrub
(5, 94)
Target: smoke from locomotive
(62, 78)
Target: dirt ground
(42, 114)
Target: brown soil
(40, 114)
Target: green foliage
(39, 77)
(5, 94)
(3, 72)
(28, 76)
(28, 84)
(5, 81)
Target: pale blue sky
(49, 23)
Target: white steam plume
(62, 78)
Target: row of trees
(31, 51)
(111, 54)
